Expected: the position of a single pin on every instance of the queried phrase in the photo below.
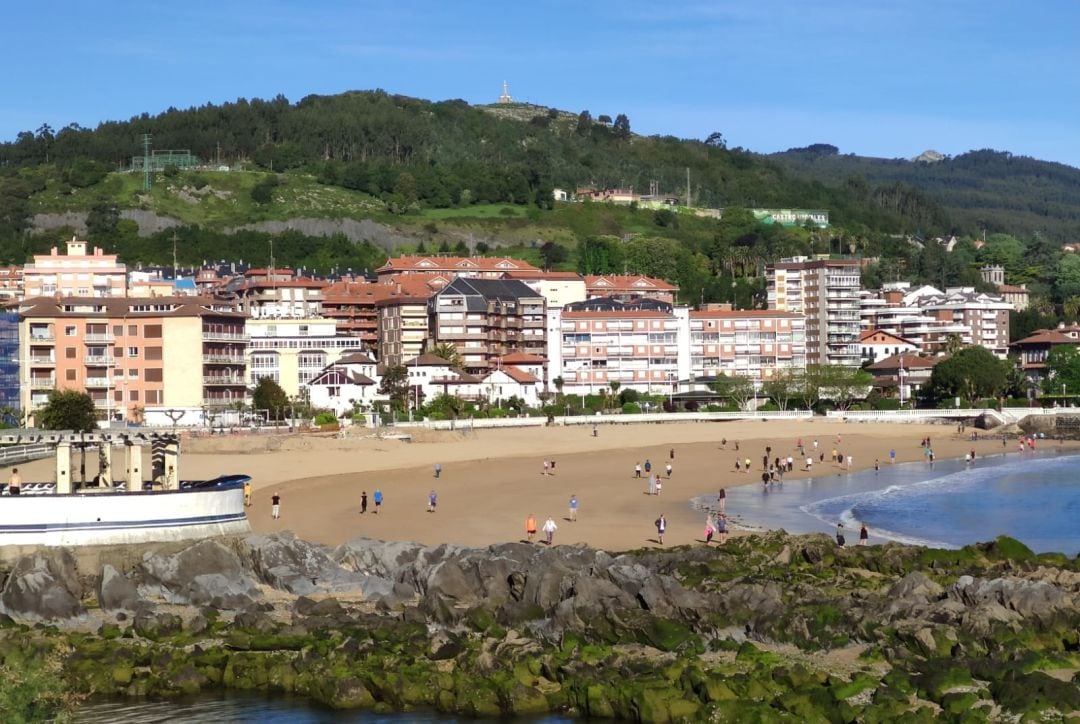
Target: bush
(631, 408)
(691, 405)
(326, 418)
(885, 403)
(769, 407)
(629, 395)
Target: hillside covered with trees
(446, 176)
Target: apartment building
(826, 291)
(488, 318)
(403, 328)
(933, 319)
(292, 352)
(473, 267)
(600, 342)
(280, 294)
(75, 273)
(758, 345)
(352, 303)
(162, 360)
(1036, 347)
(557, 288)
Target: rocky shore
(764, 628)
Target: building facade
(826, 291)
(162, 360)
(758, 345)
(473, 267)
(486, 319)
(75, 274)
(292, 352)
(403, 328)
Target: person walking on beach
(721, 499)
(648, 466)
(14, 486)
(378, 500)
(247, 492)
(747, 464)
(438, 469)
(723, 443)
(864, 535)
(721, 528)
(637, 470)
(738, 465)
(809, 463)
(708, 529)
(877, 465)
(850, 460)
(659, 483)
(275, 505)
(546, 466)
(530, 527)
(661, 526)
(432, 501)
(573, 508)
(671, 454)
(815, 445)
(549, 530)
(363, 502)
(667, 469)
(840, 541)
(594, 431)
(790, 464)
(892, 456)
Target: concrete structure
(629, 288)
(163, 360)
(75, 274)
(486, 319)
(474, 267)
(826, 291)
(757, 345)
(985, 317)
(280, 294)
(353, 303)
(403, 328)
(11, 283)
(877, 344)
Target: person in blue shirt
(573, 508)
(377, 497)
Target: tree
(1068, 275)
(783, 386)
(736, 388)
(622, 126)
(395, 385)
(68, 410)
(614, 385)
(263, 192)
(584, 123)
(449, 352)
(552, 254)
(848, 384)
(269, 396)
(971, 374)
(716, 139)
(559, 382)
(446, 407)
(599, 255)
(1063, 370)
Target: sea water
(1033, 497)
(248, 707)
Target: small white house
(343, 385)
(507, 382)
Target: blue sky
(879, 78)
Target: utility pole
(146, 161)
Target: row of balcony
(49, 383)
(224, 380)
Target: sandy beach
(493, 479)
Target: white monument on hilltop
(505, 97)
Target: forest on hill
(451, 176)
(980, 190)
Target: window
(133, 330)
(154, 397)
(69, 331)
(152, 353)
(118, 352)
(69, 353)
(118, 396)
(69, 375)
(153, 374)
(133, 396)
(133, 374)
(132, 351)
(118, 330)
(152, 331)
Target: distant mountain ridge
(982, 189)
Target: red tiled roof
(519, 358)
(619, 314)
(871, 332)
(910, 361)
(541, 274)
(1047, 336)
(631, 282)
(457, 263)
(519, 375)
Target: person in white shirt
(549, 530)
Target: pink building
(75, 274)
(753, 344)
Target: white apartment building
(292, 352)
(826, 292)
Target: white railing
(42, 383)
(100, 382)
(619, 419)
(99, 338)
(14, 454)
(912, 415)
(224, 337)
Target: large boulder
(375, 557)
(44, 586)
(115, 592)
(291, 564)
(206, 573)
(1032, 600)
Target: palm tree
(448, 352)
(559, 382)
(615, 385)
